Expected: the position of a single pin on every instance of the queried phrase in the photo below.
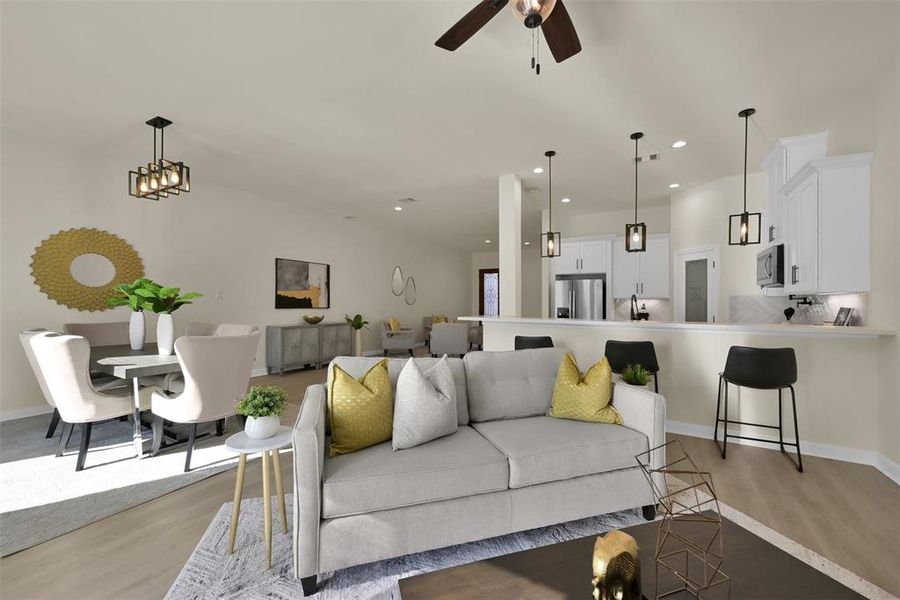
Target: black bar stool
(759, 369)
(622, 354)
(527, 342)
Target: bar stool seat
(527, 342)
(760, 369)
(621, 354)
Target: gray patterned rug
(211, 573)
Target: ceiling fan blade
(560, 33)
(469, 25)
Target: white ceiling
(348, 106)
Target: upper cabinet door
(625, 271)
(568, 260)
(801, 238)
(594, 257)
(654, 268)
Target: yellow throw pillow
(435, 319)
(584, 398)
(360, 411)
(394, 324)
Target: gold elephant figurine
(617, 567)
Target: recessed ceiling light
(537, 170)
(398, 208)
(672, 186)
(679, 144)
(566, 200)
(487, 241)
(527, 243)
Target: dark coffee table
(758, 570)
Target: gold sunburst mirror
(79, 268)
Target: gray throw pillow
(424, 404)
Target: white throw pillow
(424, 404)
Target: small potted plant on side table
(357, 322)
(262, 406)
(635, 375)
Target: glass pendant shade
(161, 177)
(636, 237)
(532, 12)
(550, 244)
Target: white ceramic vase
(136, 330)
(260, 428)
(357, 342)
(165, 335)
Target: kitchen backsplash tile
(766, 309)
(660, 310)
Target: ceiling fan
(550, 15)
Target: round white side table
(241, 444)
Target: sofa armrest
(308, 442)
(644, 411)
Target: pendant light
(161, 177)
(550, 239)
(741, 227)
(636, 233)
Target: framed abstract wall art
(301, 284)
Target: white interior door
(697, 285)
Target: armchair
(449, 338)
(404, 339)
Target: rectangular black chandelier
(636, 237)
(744, 228)
(550, 244)
(161, 177)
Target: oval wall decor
(397, 283)
(409, 292)
(51, 266)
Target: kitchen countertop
(753, 328)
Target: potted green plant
(126, 295)
(358, 323)
(262, 405)
(635, 375)
(164, 300)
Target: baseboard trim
(889, 468)
(259, 372)
(28, 411)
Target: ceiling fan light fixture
(532, 13)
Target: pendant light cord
(746, 124)
(550, 193)
(635, 178)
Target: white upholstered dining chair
(63, 362)
(216, 372)
(25, 339)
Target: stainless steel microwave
(770, 267)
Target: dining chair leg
(54, 421)
(236, 507)
(279, 488)
(83, 448)
(220, 427)
(159, 435)
(267, 510)
(64, 437)
(190, 447)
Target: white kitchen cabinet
(827, 226)
(569, 258)
(594, 256)
(582, 257)
(645, 274)
(783, 162)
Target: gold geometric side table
(239, 443)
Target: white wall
(578, 224)
(211, 239)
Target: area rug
(42, 497)
(211, 572)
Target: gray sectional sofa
(507, 468)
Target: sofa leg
(309, 585)
(649, 512)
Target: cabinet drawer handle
(771, 233)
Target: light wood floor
(849, 513)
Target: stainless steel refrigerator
(580, 296)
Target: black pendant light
(550, 239)
(161, 177)
(741, 227)
(636, 233)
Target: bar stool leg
(796, 430)
(725, 424)
(780, 433)
(718, 405)
(279, 488)
(267, 509)
(236, 509)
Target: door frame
(481, 274)
(679, 258)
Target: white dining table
(131, 365)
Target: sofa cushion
(377, 478)
(424, 405)
(511, 385)
(543, 449)
(358, 365)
